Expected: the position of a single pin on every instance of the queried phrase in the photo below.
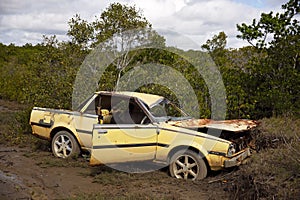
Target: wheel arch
(191, 148)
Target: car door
(117, 143)
(125, 139)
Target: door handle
(157, 131)
(102, 131)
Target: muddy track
(21, 177)
(38, 175)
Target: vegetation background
(261, 80)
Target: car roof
(149, 99)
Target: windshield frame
(169, 118)
(84, 104)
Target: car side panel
(41, 121)
(44, 121)
(176, 137)
(123, 143)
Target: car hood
(237, 125)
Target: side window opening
(116, 110)
(125, 111)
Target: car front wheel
(64, 145)
(187, 165)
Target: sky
(186, 24)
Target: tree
(216, 48)
(119, 29)
(278, 74)
(80, 31)
(117, 19)
(271, 29)
(216, 43)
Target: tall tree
(117, 19)
(272, 28)
(278, 75)
(217, 42)
(128, 28)
(216, 48)
(80, 31)
(119, 29)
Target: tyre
(188, 165)
(64, 145)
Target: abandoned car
(119, 127)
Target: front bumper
(237, 160)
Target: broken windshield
(167, 111)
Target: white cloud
(35, 22)
(26, 21)
(201, 20)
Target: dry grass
(274, 172)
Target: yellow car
(122, 127)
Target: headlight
(231, 150)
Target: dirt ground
(26, 173)
(38, 175)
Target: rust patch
(235, 125)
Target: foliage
(13, 129)
(118, 29)
(80, 31)
(118, 18)
(40, 75)
(260, 81)
(217, 42)
(279, 26)
(277, 74)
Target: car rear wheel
(187, 165)
(64, 145)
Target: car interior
(117, 109)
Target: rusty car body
(118, 127)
